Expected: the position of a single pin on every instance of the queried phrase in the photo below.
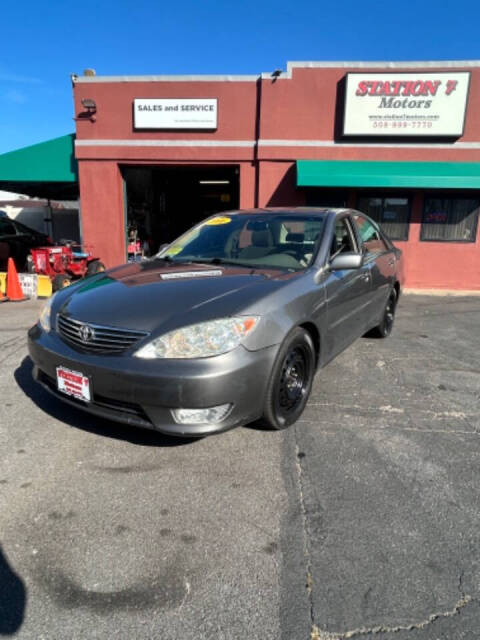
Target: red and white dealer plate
(73, 383)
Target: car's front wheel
(291, 380)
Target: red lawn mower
(63, 263)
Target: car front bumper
(142, 392)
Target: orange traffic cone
(14, 288)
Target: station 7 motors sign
(405, 104)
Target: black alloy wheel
(291, 380)
(384, 329)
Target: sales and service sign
(405, 104)
(173, 113)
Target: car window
(370, 235)
(283, 241)
(343, 239)
(6, 228)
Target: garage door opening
(163, 202)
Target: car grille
(95, 338)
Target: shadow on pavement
(87, 422)
(13, 596)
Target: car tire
(384, 329)
(290, 381)
(95, 267)
(60, 282)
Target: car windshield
(257, 240)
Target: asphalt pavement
(362, 521)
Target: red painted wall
(102, 212)
(299, 108)
(237, 103)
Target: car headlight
(200, 340)
(44, 318)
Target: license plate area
(74, 384)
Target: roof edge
(307, 64)
(165, 78)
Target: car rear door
(348, 292)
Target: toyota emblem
(86, 333)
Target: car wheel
(290, 381)
(95, 267)
(384, 329)
(60, 282)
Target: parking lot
(362, 521)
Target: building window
(330, 198)
(392, 214)
(450, 219)
(371, 238)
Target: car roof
(289, 210)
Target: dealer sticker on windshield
(191, 274)
(218, 220)
(73, 383)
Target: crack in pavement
(454, 432)
(433, 415)
(306, 550)
(318, 634)
(17, 348)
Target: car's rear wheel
(384, 329)
(290, 381)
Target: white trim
(440, 292)
(357, 64)
(366, 64)
(164, 143)
(272, 143)
(365, 145)
(165, 78)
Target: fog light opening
(212, 415)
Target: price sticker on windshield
(172, 251)
(218, 220)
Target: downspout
(256, 162)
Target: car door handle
(365, 276)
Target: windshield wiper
(207, 261)
(234, 263)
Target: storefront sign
(173, 113)
(405, 104)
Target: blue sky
(43, 42)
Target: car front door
(381, 259)
(348, 292)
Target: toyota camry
(226, 325)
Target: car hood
(155, 295)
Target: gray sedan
(226, 325)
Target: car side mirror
(347, 260)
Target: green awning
(44, 170)
(421, 175)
